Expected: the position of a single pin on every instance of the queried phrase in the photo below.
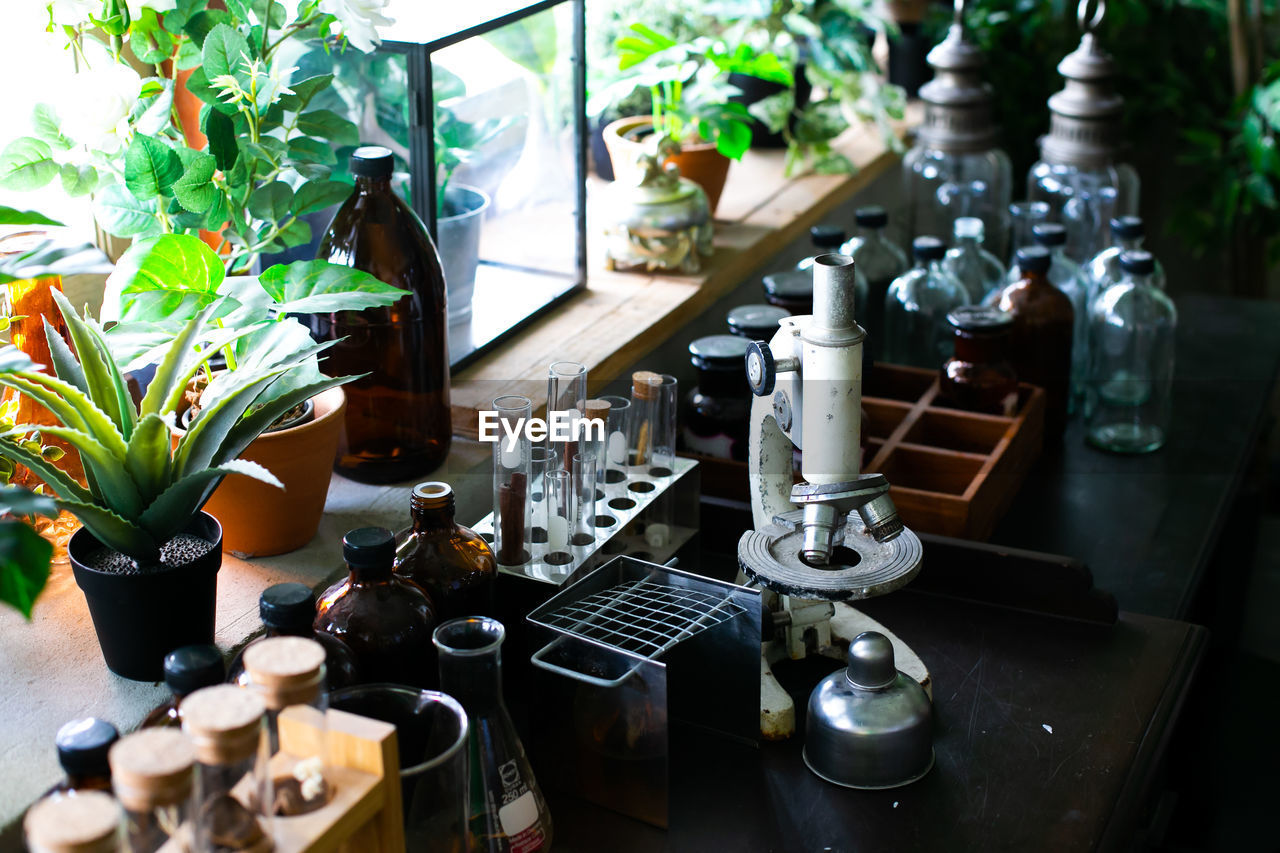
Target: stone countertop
(52, 670)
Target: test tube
(584, 487)
(566, 396)
(654, 400)
(613, 468)
(541, 460)
(644, 401)
(512, 456)
(561, 506)
(594, 434)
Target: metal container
(869, 725)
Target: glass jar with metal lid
(716, 412)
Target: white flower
(71, 13)
(95, 110)
(359, 20)
(157, 6)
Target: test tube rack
(623, 522)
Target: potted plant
(149, 305)
(146, 556)
(691, 104)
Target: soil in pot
(177, 552)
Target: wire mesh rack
(643, 617)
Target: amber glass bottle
(1043, 325)
(289, 610)
(82, 752)
(186, 670)
(397, 420)
(979, 377)
(386, 620)
(450, 562)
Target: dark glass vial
(289, 610)
(397, 418)
(385, 619)
(452, 563)
(82, 751)
(1043, 327)
(755, 322)
(186, 670)
(979, 377)
(717, 410)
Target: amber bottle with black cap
(386, 619)
(82, 752)
(452, 563)
(289, 610)
(397, 416)
(186, 670)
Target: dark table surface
(1148, 525)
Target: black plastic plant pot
(140, 618)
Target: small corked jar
(153, 775)
(87, 822)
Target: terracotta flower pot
(700, 162)
(259, 520)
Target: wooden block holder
(951, 472)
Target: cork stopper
(152, 768)
(285, 670)
(596, 410)
(224, 723)
(84, 823)
(644, 384)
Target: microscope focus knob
(762, 368)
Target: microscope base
(777, 710)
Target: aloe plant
(140, 492)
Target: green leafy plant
(119, 136)
(456, 141)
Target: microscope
(835, 536)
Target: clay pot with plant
(300, 444)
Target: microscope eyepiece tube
(833, 292)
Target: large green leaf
(304, 91)
(198, 446)
(65, 365)
(309, 287)
(170, 512)
(54, 257)
(106, 386)
(172, 271)
(16, 500)
(224, 52)
(27, 164)
(271, 201)
(113, 531)
(121, 213)
(326, 124)
(150, 166)
(71, 406)
(116, 488)
(53, 476)
(315, 196)
(169, 382)
(24, 565)
(44, 121)
(78, 180)
(259, 419)
(149, 456)
(195, 190)
(12, 216)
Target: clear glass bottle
(225, 725)
(186, 670)
(1130, 381)
(880, 261)
(397, 419)
(979, 377)
(452, 563)
(1103, 270)
(1023, 216)
(82, 752)
(153, 775)
(1043, 325)
(508, 812)
(86, 823)
(978, 270)
(287, 674)
(717, 411)
(384, 617)
(1066, 275)
(793, 289)
(916, 307)
(289, 610)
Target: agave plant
(141, 491)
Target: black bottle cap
(872, 216)
(790, 284)
(756, 322)
(369, 548)
(1033, 259)
(83, 745)
(189, 668)
(980, 319)
(827, 236)
(1128, 227)
(718, 352)
(288, 607)
(928, 248)
(372, 161)
(1138, 262)
(1049, 234)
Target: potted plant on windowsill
(149, 304)
(691, 103)
(146, 556)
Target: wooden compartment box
(952, 472)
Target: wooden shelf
(623, 316)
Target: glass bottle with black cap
(1103, 269)
(1043, 326)
(386, 619)
(82, 752)
(397, 417)
(716, 412)
(916, 308)
(755, 322)
(186, 670)
(1066, 275)
(289, 610)
(793, 289)
(880, 261)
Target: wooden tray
(952, 472)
